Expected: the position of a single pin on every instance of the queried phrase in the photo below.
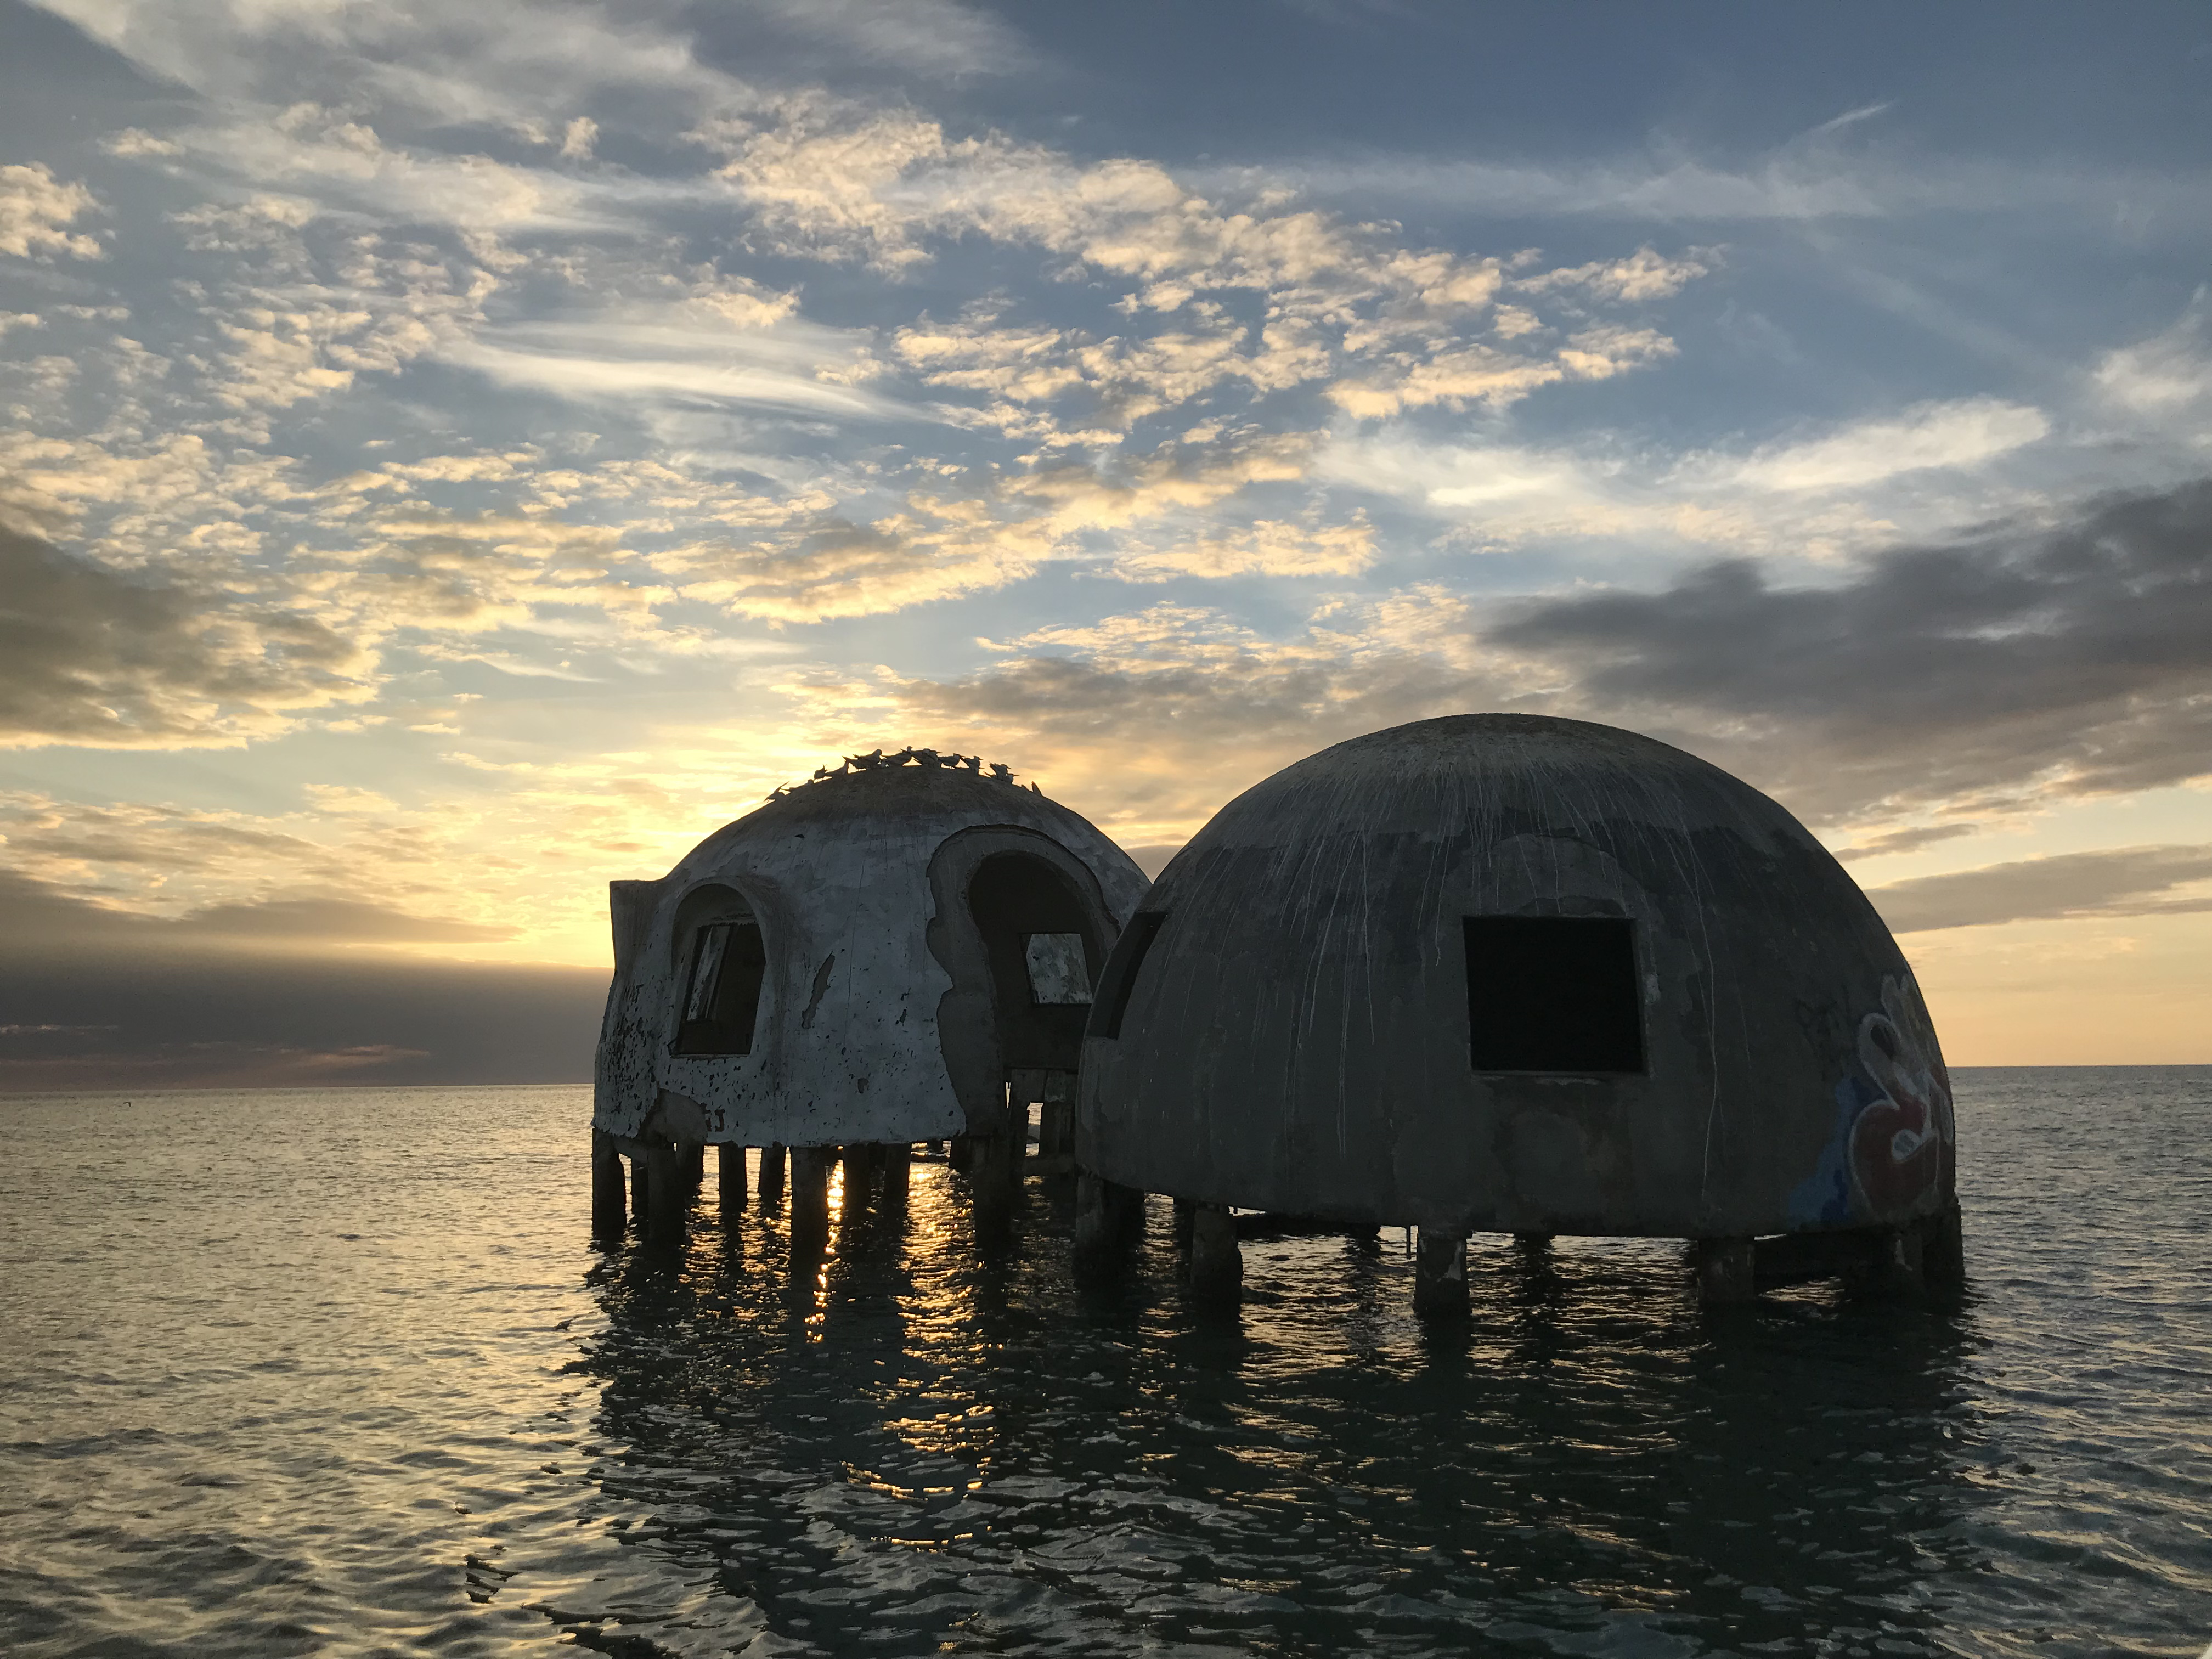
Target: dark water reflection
(907, 1439)
(339, 1373)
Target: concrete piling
(1943, 1256)
(810, 1191)
(1108, 1219)
(771, 1170)
(897, 1168)
(1900, 1263)
(1727, 1269)
(730, 1180)
(991, 1181)
(996, 1165)
(668, 1195)
(1439, 1274)
(1217, 1265)
(641, 1179)
(609, 1200)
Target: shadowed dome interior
(1504, 971)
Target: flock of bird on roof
(926, 759)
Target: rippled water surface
(339, 1372)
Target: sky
(454, 457)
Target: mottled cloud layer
(2071, 658)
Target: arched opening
(720, 964)
(1044, 953)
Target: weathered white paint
(846, 1043)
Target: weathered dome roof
(1341, 1008)
(873, 1009)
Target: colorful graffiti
(1893, 1145)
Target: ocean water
(339, 1372)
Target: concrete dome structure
(865, 959)
(1499, 972)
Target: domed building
(873, 958)
(1504, 973)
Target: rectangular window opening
(1553, 994)
(1120, 979)
(1058, 976)
(721, 1000)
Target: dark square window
(1553, 994)
(722, 999)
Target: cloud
(1962, 434)
(1456, 376)
(936, 38)
(2166, 376)
(1890, 843)
(35, 209)
(326, 921)
(2118, 881)
(1268, 547)
(90, 657)
(500, 62)
(1795, 183)
(2072, 658)
(937, 545)
(1645, 274)
(1971, 678)
(578, 139)
(698, 359)
(839, 182)
(99, 1000)
(1149, 721)
(1852, 489)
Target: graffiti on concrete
(1892, 1149)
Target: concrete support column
(695, 1164)
(854, 1157)
(1108, 1217)
(771, 1170)
(1186, 1218)
(641, 1181)
(1056, 1133)
(668, 1195)
(1943, 1258)
(730, 1179)
(609, 1200)
(960, 1153)
(1439, 1274)
(994, 1176)
(1057, 1128)
(1728, 1270)
(810, 1190)
(898, 1164)
(1899, 1267)
(1217, 1265)
(1533, 1244)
